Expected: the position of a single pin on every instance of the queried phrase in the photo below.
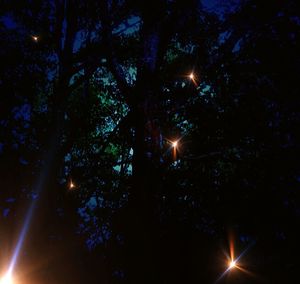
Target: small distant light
(232, 264)
(71, 186)
(192, 76)
(35, 38)
(7, 279)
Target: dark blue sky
(213, 5)
(210, 3)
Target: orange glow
(175, 144)
(232, 264)
(231, 247)
(71, 186)
(175, 149)
(249, 273)
(35, 38)
(193, 78)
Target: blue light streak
(48, 161)
(26, 226)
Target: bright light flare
(175, 149)
(232, 264)
(193, 78)
(7, 279)
(174, 144)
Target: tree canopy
(146, 135)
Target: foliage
(237, 124)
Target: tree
(113, 90)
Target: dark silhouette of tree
(94, 93)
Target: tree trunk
(142, 231)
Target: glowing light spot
(174, 144)
(7, 279)
(232, 264)
(35, 38)
(72, 185)
(192, 76)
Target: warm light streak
(174, 144)
(231, 246)
(175, 148)
(192, 76)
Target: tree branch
(202, 156)
(115, 66)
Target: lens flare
(232, 264)
(175, 149)
(7, 279)
(193, 77)
(174, 144)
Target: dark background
(93, 93)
